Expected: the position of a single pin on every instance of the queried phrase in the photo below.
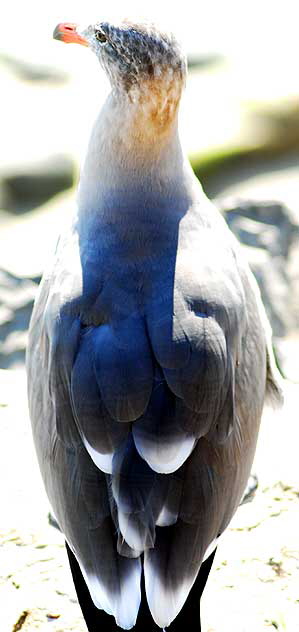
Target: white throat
(134, 144)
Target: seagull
(149, 358)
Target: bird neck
(151, 110)
(134, 145)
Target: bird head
(134, 56)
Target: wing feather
(124, 368)
(101, 434)
(159, 437)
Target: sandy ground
(254, 585)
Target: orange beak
(67, 32)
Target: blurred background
(240, 126)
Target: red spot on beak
(67, 32)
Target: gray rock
(29, 71)
(203, 61)
(16, 300)
(269, 231)
(263, 224)
(24, 187)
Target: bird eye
(100, 36)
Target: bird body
(149, 357)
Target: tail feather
(121, 597)
(170, 570)
(132, 486)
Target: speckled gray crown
(136, 52)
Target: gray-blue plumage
(149, 355)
